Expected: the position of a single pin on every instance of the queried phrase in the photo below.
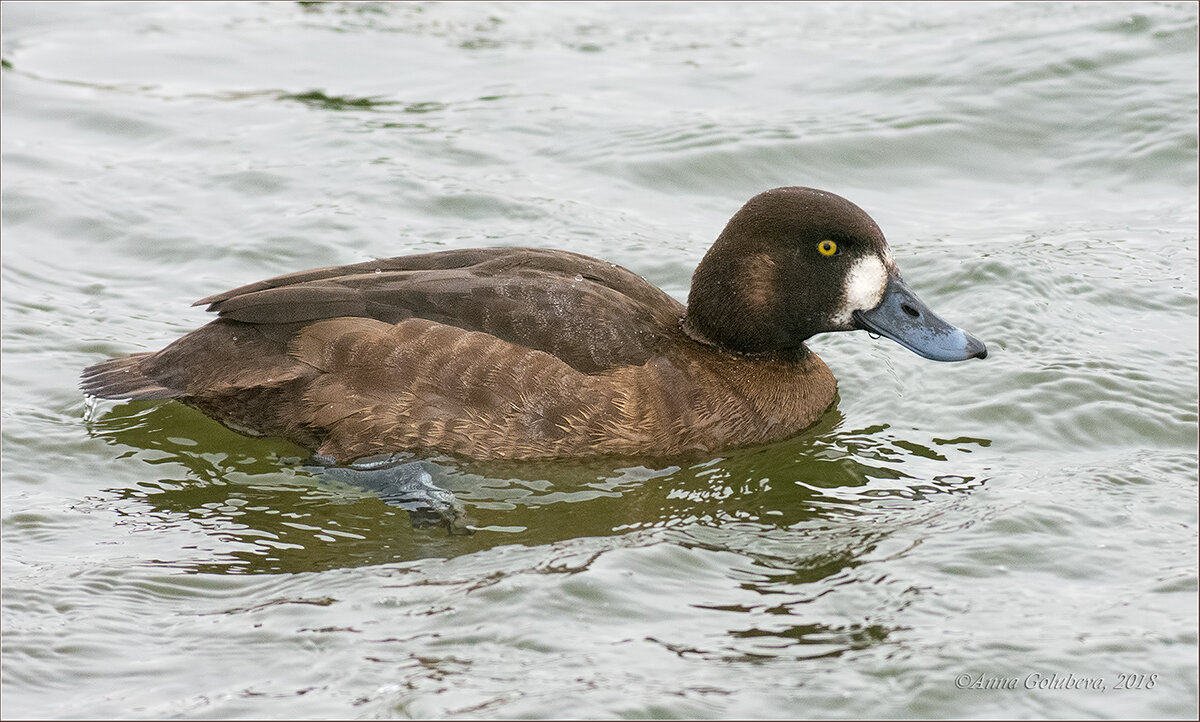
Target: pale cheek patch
(864, 287)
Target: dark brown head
(795, 262)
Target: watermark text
(1044, 681)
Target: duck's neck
(736, 302)
(789, 354)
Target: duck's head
(795, 262)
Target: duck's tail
(123, 378)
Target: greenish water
(945, 526)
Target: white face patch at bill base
(863, 289)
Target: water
(1030, 515)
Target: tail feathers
(122, 378)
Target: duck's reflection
(797, 520)
(281, 513)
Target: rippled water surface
(1029, 519)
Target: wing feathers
(590, 314)
(291, 304)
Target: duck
(531, 353)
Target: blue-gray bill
(905, 319)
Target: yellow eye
(827, 248)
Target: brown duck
(526, 353)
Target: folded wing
(590, 314)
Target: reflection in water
(803, 515)
(823, 640)
(821, 472)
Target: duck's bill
(905, 319)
